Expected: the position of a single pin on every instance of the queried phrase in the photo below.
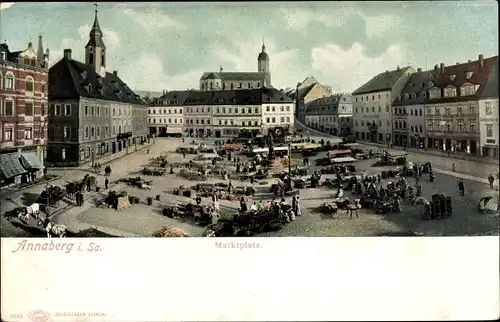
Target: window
(87, 152)
(489, 130)
(436, 111)
(7, 134)
(268, 120)
(274, 109)
(9, 81)
(197, 121)
(387, 108)
(8, 108)
(452, 77)
(471, 110)
(419, 112)
(488, 109)
(119, 129)
(435, 93)
(460, 126)
(472, 127)
(468, 75)
(67, 109)
(28, 133)
(92, 131)
(66, 132)
(86, 131)
(28, 108)
(242, 110)
(288, 119)
(114, 129)
(282, 119)
(208, 122)
(448, 126)
(373, 109)
(63, 154)
(380, 109)
(447, 110)
(468, 89)
(30, 84)
(114, 111)
(243, 123)
(429, 126)
(273, 120)
(43, 108)
(98, 131)
(98, 111)
(86, 110)
(424, 94)
(450, 91)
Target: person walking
(215, 201)
(461, 187)
(299, 211)
(491, 180)
(106, 183)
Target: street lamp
(289, 183)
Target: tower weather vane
(96, 5)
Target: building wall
(373, 107)
(229, 120)
(489, 127)
(449, 129)
(20, 131)
(198, 118)
(277, 114)
(163, 118)
(416, 125)
(316, 92)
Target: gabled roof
(381, 82)
(235, 76)
(69, 79)
(327, 105)
(418, 84)
(199, 98)
(304, 91)
(237, 97)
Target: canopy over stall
(30, 161)
(10, 166)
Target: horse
(33, 210)
(421, 201)
(353, 207)
(55, 229)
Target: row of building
(220, 113)
(449, 108)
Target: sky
(157, 46)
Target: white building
(197, 112)
(372, 105)
(488, 116)
(332, 114)
(277, 110)
(166, 114)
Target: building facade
(277, 110)
(332, 114)
(306, 92)
(408, 111)
(452, 109)
(372, 105)
(92, 113)
(210, 81)
(197, 112)
(166, 114)
(23, 109)
(488, 116)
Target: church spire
(263, 45)
(96, 30)
(39, 52)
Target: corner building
(92, 113)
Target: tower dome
(263, 56)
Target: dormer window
(221, 100)
(84, 74)
(431, 84)
(413, 95)
(118, 93)
(435, 93)
(452, 77)
(468, 75)
(468, 89)
(450, 91)
(407, 96)
(424, 94)
(101, 90)
(88, 87)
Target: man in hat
(461, 187)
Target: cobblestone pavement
(143, 220)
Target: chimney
(419, 70)
(221, 69)
(3, 55)
(398, 68)
(436, 67)
(458, 63)
(115, 72)
(442, 68)
(67, 54)
(469, 61)
(481, 60)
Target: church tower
(263, 65)
(95, 50)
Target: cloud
(381, 26)
(242, 54)
(6, 5)
(346, 70)
(148, 73)
(150, 19)
(300, 19)
(111, 40)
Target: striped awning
(30, 160)
(174, 130)
(10, 166)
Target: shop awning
(174, 130)
(30, 160)
(10, 166)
